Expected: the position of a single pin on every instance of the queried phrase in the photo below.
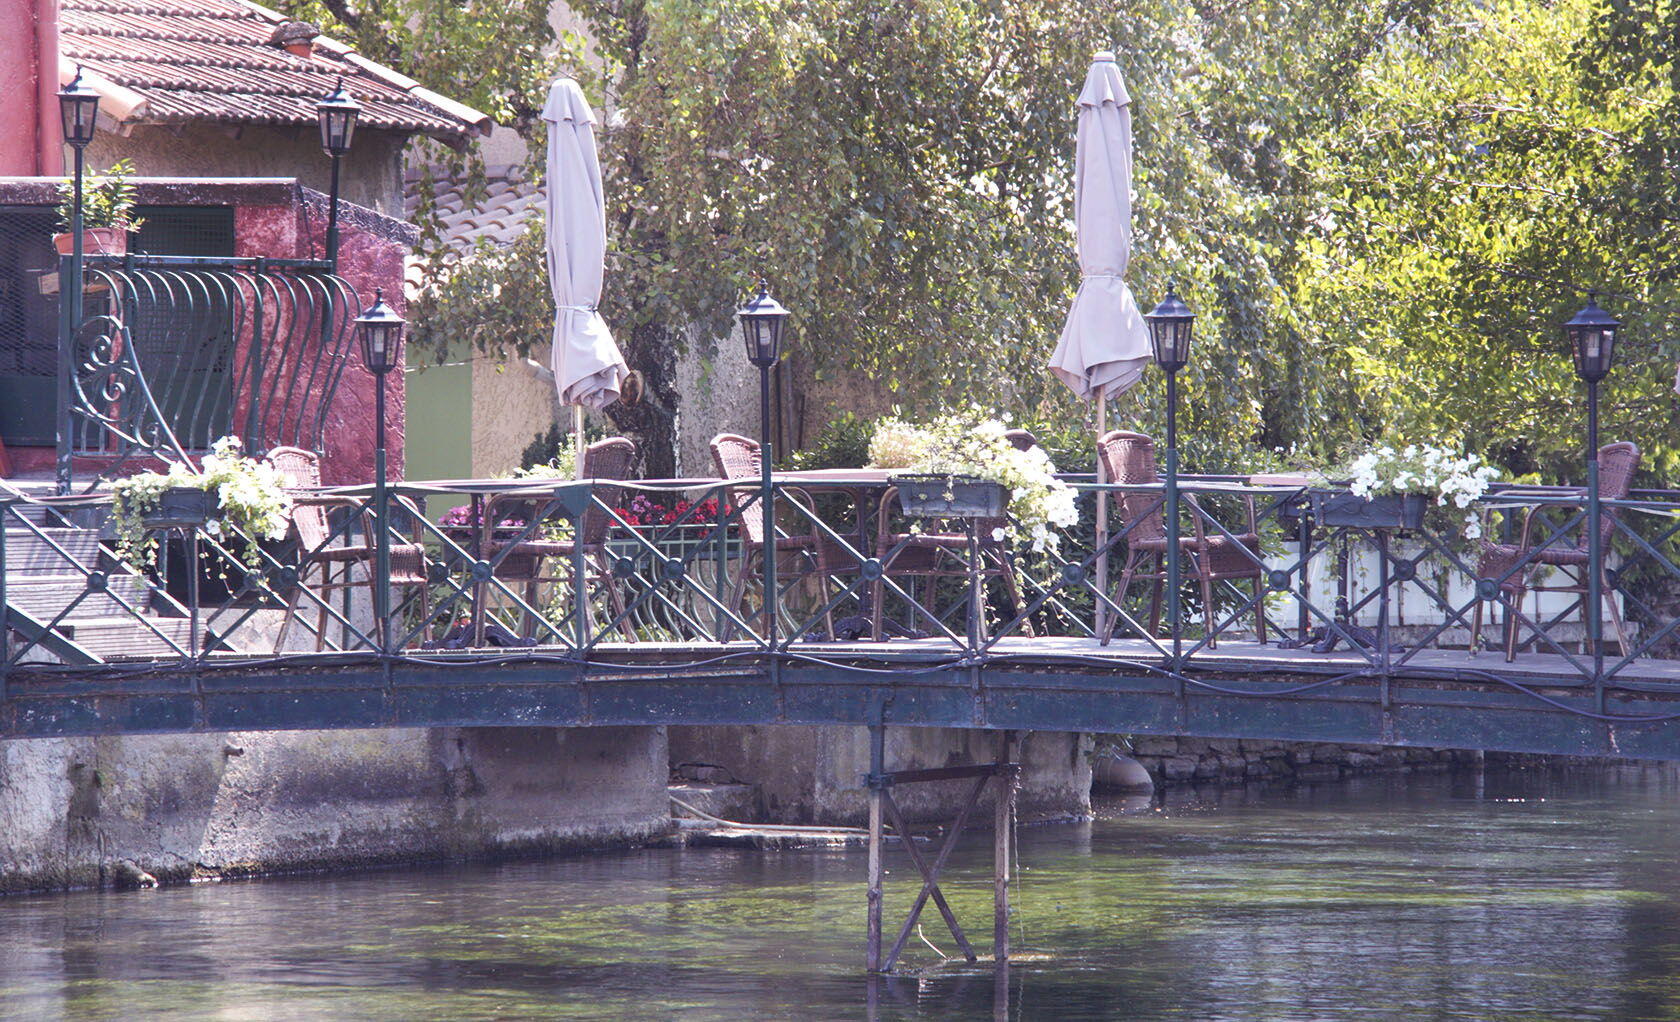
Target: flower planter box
(675, 541)
(181, 507)
(1340, 509)
(940, 496)
(220, 581)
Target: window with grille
(28, 324)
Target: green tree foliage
(1381, 209)
(494, 56)
(1488, 175)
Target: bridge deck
(1445, 698)
(1231, 655)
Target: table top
(810, 478)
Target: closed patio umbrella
(1105, 343)
(588, 368)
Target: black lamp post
(1171, 326)
(1592, 342)
(337, 113)
(380, 330)
(78, 110)
(761, 327)
(762, 320)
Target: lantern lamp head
(78, 108)
(1592, 341)
(761, 324)
(337, 112)
(1171, 325)
(380, 329)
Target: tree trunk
(651, 350)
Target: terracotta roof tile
(213, 60)
(499, 218)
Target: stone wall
(1171, 761)
(815, 774)
(77, 812)
(512, 406)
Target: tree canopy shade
(1381, 210)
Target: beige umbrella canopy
(1105, 344)
(588, 368)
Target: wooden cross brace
(882, 784)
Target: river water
(1498, 896)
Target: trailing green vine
(250, 498)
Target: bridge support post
(881, 800)
(877, 789)
(1003, 826)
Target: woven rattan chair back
(737, 457)
(611, 458)
(1617, 464)
(1128, 459)
(302, 471)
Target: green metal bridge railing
(164, 354)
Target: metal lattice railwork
(668, 621)
(174, 352)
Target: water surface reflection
(1509, 896)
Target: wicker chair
(935, 555)
(302, 471)
(1128, 459)
(1021, 438)
(1617, 464)
(609, 459)
(819, 556)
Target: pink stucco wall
(28, 116)
(366, 261)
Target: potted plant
(107, 212)
(464, 524)
(963, 465)
(1393, 489)
(236, 500)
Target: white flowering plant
(251, 501)
(1452, 480)
(973, 444)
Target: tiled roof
(499, 218)
(214, 60)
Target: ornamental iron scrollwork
(175, 356)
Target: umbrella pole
(1101, 619)
(577, 441)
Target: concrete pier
(816, 774)
(179, 807)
